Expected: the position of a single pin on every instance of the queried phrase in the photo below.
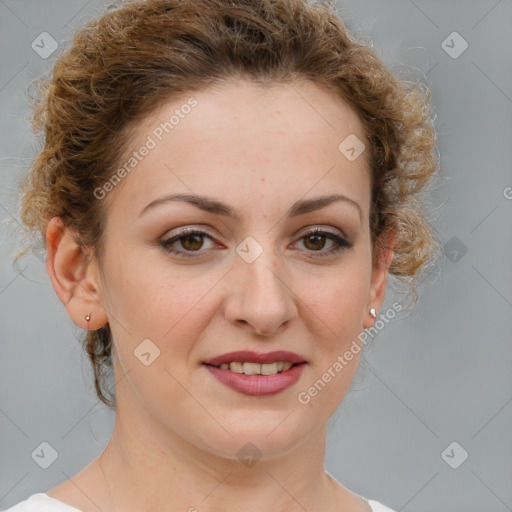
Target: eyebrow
(211, 205)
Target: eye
(315, 241)
(191, 240)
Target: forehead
(244, 140)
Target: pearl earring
(373, 312)
(88, 317)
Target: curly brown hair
(130, 61)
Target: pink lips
(257, 385)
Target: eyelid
(316, 227)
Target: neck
(144, 471)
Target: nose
(260, 299)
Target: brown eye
(314, 242)
(190, 240)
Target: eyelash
(341, 243)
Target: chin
(266, 440)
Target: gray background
(439, 374)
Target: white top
(41, 502)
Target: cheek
(154, 309)
(336, 312)
(336, 303)
(339, 305)
(167, 305)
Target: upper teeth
(256, 368)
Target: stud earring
(373, 312)
(88, 317)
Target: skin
(178, 429)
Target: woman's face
(250, 163)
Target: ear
(379, 279)
(75, 276)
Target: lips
(246, 356)
(257, 384)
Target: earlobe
(74, 276)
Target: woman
(223, 191)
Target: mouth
(256, 374)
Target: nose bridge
(265, 300)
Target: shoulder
(378, 507)
(41, 502)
